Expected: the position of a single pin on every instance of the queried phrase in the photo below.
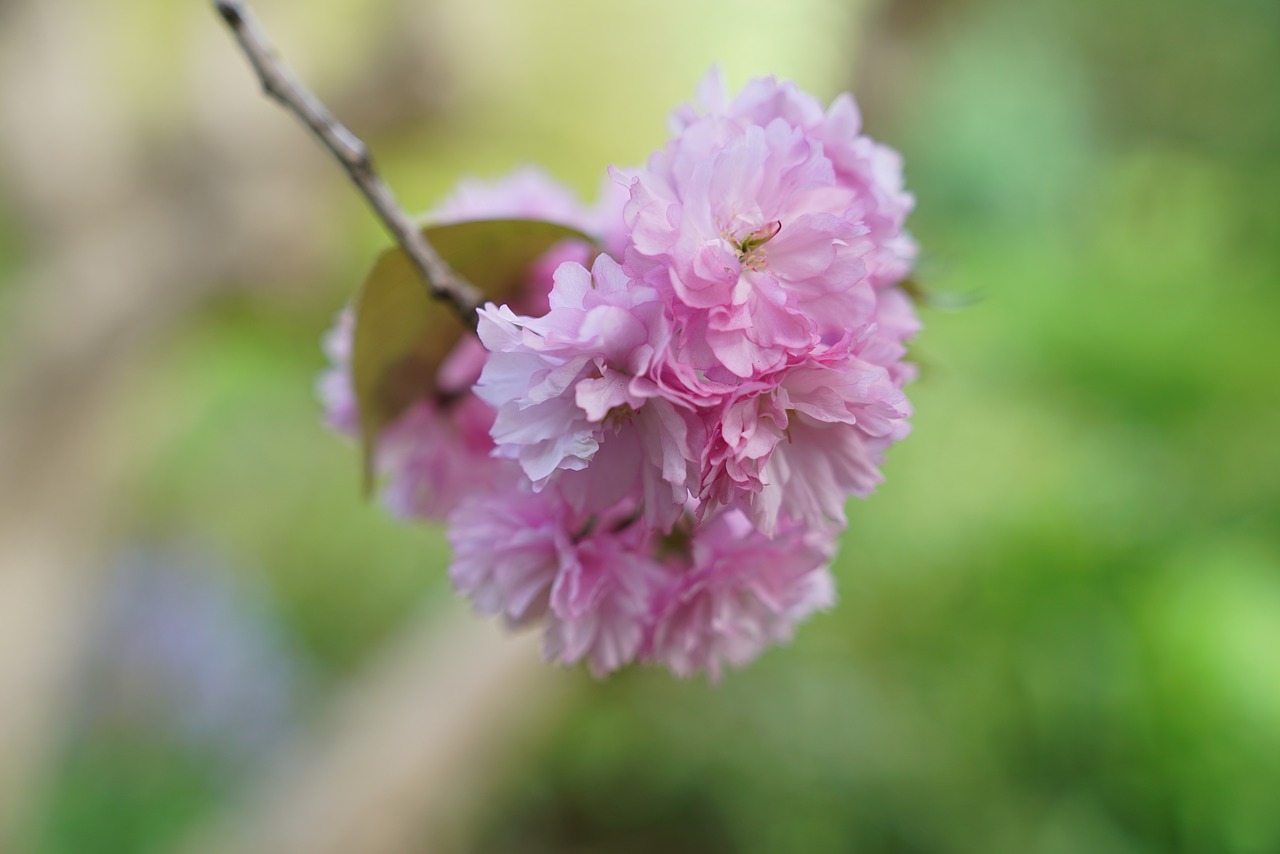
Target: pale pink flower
(531, 557)
(571, 391)
(524, 193)
(896, 323)
(872, 170)
(740, 592)
(600, 602)
(506, 553)
(437, 452)
(756, 242)
(606, 217)
(805, 439)
(529, 193)
(650, 459)
(334, 387)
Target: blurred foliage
(1060, 618)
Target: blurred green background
(1059, 626)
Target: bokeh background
(1059, 627)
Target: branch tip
(230, 12)
(280, 84)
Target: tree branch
(280, 84)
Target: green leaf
(402, 333)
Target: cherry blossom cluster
(649, 452)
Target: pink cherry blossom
(601, 601)
(524, 193)
(804, 439)
(529, 193)
(530, 557)
(437, 452)
(651, 459)
(885, 342)
(506, 553)
(572, 393)
(871, 170)
(747, 233)
(740, 592)
(334, 388)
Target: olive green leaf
(402, 333)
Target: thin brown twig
(282, 85)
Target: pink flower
(896, 324)
(651, 459)
(871, 170)
(606, 217)
(529, 193)
(506, 553)
(572, 394)
(600, 602)
(334, 388)
(805, 439)
(530, 557)
(745, 230)
(437, 453)
(524, 193)
(741, 592)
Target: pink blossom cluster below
(649, 455)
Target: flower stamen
(750, 248)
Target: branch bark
(280, 84)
